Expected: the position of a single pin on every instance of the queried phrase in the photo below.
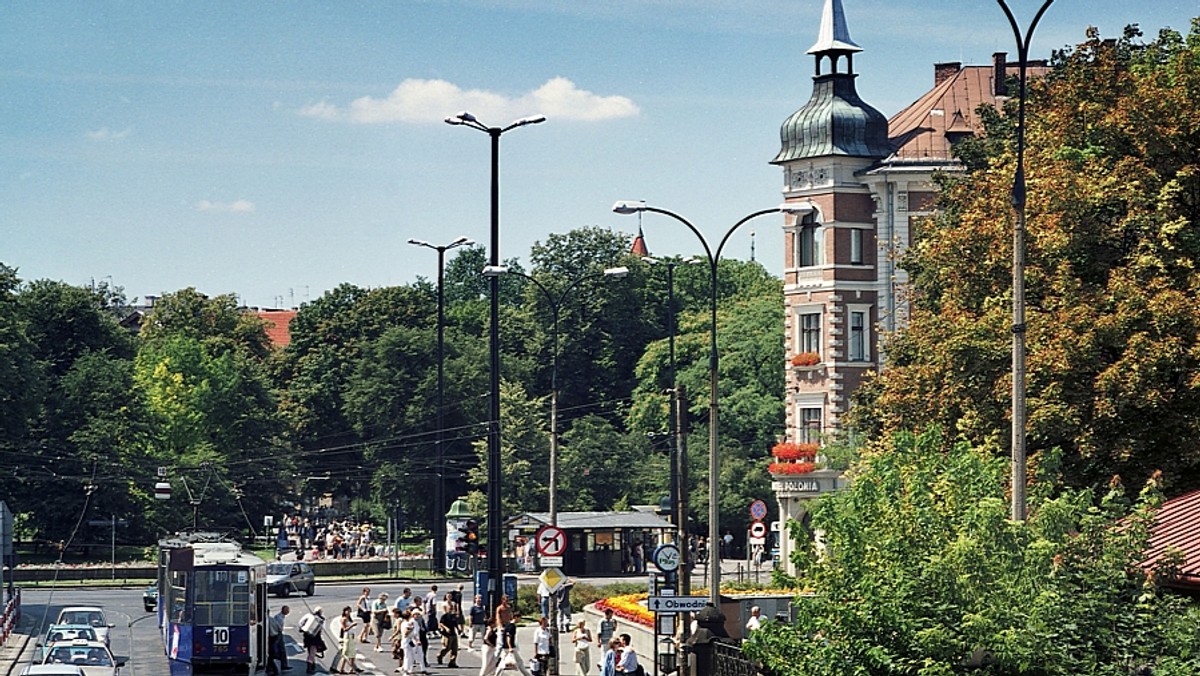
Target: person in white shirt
(541, 645)
(277, 649)
(754, 622)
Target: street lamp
(495, 553)
(493, 272)
(439, 486)
(714, 463)
(1019, 503)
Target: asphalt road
(136, 640)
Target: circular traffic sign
(758, 529)
(551, 541)
(666, 557)
(758, 510)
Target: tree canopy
(1113, 171)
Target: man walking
(276, 649)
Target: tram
(212, 605)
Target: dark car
(284, 578)
(150, 598)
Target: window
(222, 598)
(858, 337)
(810, 332)
(810, 425)
(808, 248)
(856, 246)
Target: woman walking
(346, 648)
(363, 605)
(581, 638)
(611, 656)
(380, 621)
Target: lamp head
(495, 270)
(616, 272)
(629, 207)
(464, 116)
(798, 208)
(418, 242)
(532, 119)
(650, 260)
(462, 240)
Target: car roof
(52, 670)
(81, 608)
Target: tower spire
(834, 34)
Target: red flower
(786, 451)
(806, 359)
(791, 467)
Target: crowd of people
(406, 626)
(322, 537)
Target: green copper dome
(835, 121)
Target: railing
(729, 661)
(10, 616)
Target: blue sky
(275, 150)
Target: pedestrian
(404, 600)
(414, 660)
(564, 605)
(395, 639)
(276, 648)
(380, 619)
(541, 645)
(490, 649)
(364, 613)
(612, 653)
(449, 624)
(755, 621)
(423, 621)
(346, 649)
(430, 609)
(506, 621)
(608, 629)
(581, 638)
(457, 597)
(628, 663)
(311, 626)
(478, 618)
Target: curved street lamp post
(439, 484)
(1019, 503)
(493, 272)
(714, 257)
(495, 552)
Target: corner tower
(829, 267)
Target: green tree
(920, 572)
(1113, 165)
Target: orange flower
(786, 451)
(806, 359)
(791, 467)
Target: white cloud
(106, 134)
(432, 100)
(234, 207)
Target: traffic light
(471, 535)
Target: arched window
(809, 249)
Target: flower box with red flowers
(806, 359)
(794, 452)
(791, 467)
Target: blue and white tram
(212, 604)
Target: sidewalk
(17, 650)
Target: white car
(92, 616)
(93, 658)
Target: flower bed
(631, 607)
(806, 359)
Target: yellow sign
(553, 578)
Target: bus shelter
(598, 543)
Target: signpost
(676, 604)
(551, 541)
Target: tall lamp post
(495, 553)
(493, 272)
(1019, 503)
(714, 462)
(439, 484)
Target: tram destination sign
(676, 604)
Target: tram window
(220, 599)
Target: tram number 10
(220, 636)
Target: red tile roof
(1177, 528)
(277, 325)
(918, 133)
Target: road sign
(551, 541)
(666, 557)
(676, 604)
(758, 510)
(553, 578)
(758, 529)
(551, 561)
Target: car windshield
(94, 657)
(279, 569)
(70, 634)
(86, 617)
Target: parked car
(150, 598)
(284, 578)
(92, 616)
(92, 657)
